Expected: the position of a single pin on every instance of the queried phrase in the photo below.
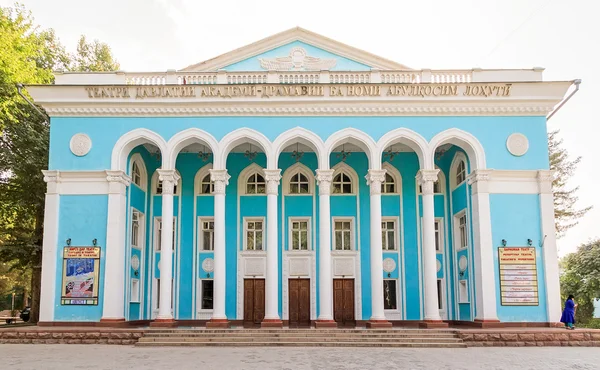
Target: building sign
(81, 268)
(426, 90)
(518, 276)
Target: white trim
(457, 236)
(264, 233)
(131, 295)
(309, 229)
(460, 297)
(441, 239)
(237, 137)
(200, 241)
(393, 219)
(464, 140)
(202, 314)
(291, 171)
(344, 167)
(394, 314)
(302, 136)
(458, 157)
(184, 138)
(250, 170)
(353, 245)
(444, 309)
(355, 137)
(409, 138)
(137, 158)
(392, 171)
(50, 249)
(154, 184)
(128, 141)
(200, 175)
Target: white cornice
(291, 35)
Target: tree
(28, 55)
(566, 215)
(580, 276)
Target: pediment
(296, 49)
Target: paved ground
(47, 357)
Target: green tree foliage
(28, 55)
(566, 214)
(580, 276)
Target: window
(439, 244)
(462, 231)
(207, 295)
(158, 225)
(461, 172)
(135, 291)
(159, 188)
(254, 235)
(342, 184)
(136, 175)
(300, 235)
(206, 186)
(255, 184)
(343, 235)
(389, 295)
(158, 293)
(299, 184)
(207, 235)
(463, 295)
(389, 185)
(388, 237)
(135, 229)
(440, 294)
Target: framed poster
(81, 274)
(518, 276)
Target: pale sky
(561, 36)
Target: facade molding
(409, 138)
(237, 137)
(395, 173)
(344, 167)
(464, 140)
(129, 141)
(297, 135)
(243, 179)
(291, 171)
(356, 137)
(186, 137)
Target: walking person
(568, 315)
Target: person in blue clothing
(568, 315)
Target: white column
(324, 178)
(553, 303)
(426, 179)
(374, 179)
(49, 252)
(272, 178)
(114, 275)
(169, 179)
(220, 178)
(485, 282)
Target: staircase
(301, 338)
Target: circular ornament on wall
(80, 144)
(389, 265)
(135, 263)
(438, 264)
(517, 144)
(462, 263)
(208, 265)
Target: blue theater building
(300, 181)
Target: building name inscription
(275, 91)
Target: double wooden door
(299, 302)
(343, 302)
(254, 302)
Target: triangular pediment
(296, 49)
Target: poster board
(81, 276)
(518, 276)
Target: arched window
(136, 176)
(206, 186)
(299, 184)
(137, 171)
(342, 184)
(389, 184)
(255, 184)
(202, 183)
(461, 172)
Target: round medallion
(208, 265)
(389, 265)
(438, 265)
(462, 263)
(517, 144)
(135, 263)
(80, 144)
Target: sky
(561, 36)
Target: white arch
(291, 171)
(465, 141)
(137, 158)
(186, 137)
(458, 157)
(395, 173)
(237, 137)
(344, 167)
(409, 138)
(356, 137)
(130, 140)
(251, 169)
(302, 136)
(201, 174)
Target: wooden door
(299, 302)
(343, 302)
(254, 301)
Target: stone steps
(302, 338)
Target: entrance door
(343, 302)
(299, 303)
(254, 301)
